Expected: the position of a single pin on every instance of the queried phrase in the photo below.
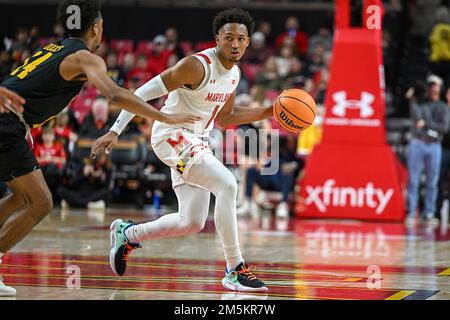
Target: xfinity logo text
(331, 195)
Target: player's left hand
(10, 101)
(104, 143)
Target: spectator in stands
(444, 177)
(268, 78)
(89, 186)
(172, 43)
(430, 120)
(6, 63)
(58, 32)
(20, 43)
(33, 39)
(293, 30)
(308, 139)
(52, 159)
(284, 60)
(157, 61)
(63, 132)
(316, 61)
(297, 76)
(258, 52)
(128, 62)
(141, 71)
(98, 122)
(440, 45)
(172, 60)
(266, 28)
(323, 36)
(283, 181)
(115, 71)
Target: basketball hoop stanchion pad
(353, 173)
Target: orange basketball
(294, 110)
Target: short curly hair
(90, 12)
(233, 15)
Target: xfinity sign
(330, 195)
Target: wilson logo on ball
(289, 121)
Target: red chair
(203, 45)
(122, 45)
(144, 47)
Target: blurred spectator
(284, 60)
(172, 43)
(58, 32)
(440, 45)
(141, 71)
(20, 43)
(316, 61)
(297, 76)
(157, 61)
(172, 60)
(89, 186)
(293, 30)
(323, 36)
(430, 121)
(128, 62)
(321, 78)
(33, 39)
(98, 122)
(310, 137)
(6, 63)
(52, 159)
(444, 177)
(268, 78)
(283, 181)
(266, 28)
(63, 131)
(258, 52)
(115, 71)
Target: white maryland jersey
(205, 101)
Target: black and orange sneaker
(242, 279)
(120, 246)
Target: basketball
(294, 110)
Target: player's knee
(42, 205)
(196, 226)
(229, 185)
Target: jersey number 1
(26, 68)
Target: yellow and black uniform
(46, 93)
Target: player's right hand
(104, 143)
(10, 101)
(179, 118)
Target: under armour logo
(212, 81)
(342, 104)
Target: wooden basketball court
(66, 257)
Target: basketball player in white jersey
(203, 84)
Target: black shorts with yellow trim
(16, 157)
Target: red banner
(353, 173)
